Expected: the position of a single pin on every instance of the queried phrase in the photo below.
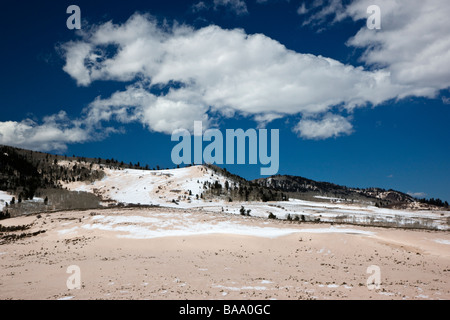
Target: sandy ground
(206, 259)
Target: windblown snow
(174, 224)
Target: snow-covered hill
(179, 188)
(173, 187)
(206, 188)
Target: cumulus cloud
(213, 69)
(158, 113)
(413, 43)
(180, 74)
(331, 125)
(52, 134)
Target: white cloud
(53, 134)
(413, 44)
(264, 118)
(225, 71)
(199, 6)
(238, 7)
(75, 61)
(159, 113)
(228, 72)
(331, 125)
(322, 11)
(302, 9)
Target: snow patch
(442, 241)
(4, 198)
(67, 231)
(257, 288)
(386, 293)
(176, 224)
(347, 287)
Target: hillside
(307, 189)
(33, 182)
(182, 186)
(37, 182)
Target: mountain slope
(181, 186)
(307, 189)
(74, 182)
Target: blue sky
(354, 106)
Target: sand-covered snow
(174, 224)
(167, 253)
